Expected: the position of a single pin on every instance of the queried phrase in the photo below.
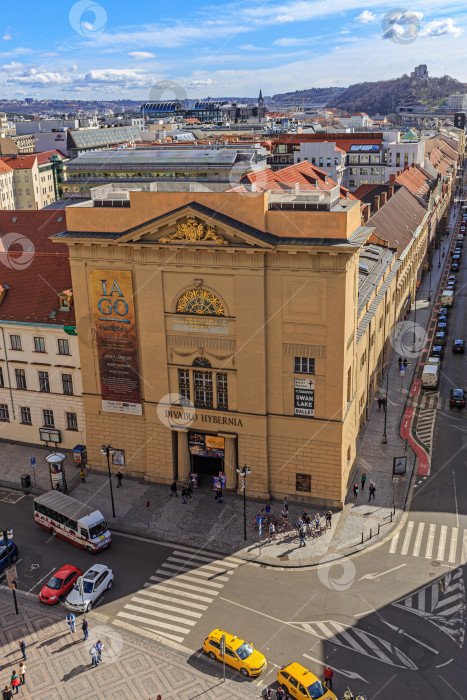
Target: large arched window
(200, 301)
(201, 362)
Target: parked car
(442, 326)
(440, 338)
(12, 549)
(238, 653)
(458, 346)
(452, 279)
(60, 584)
(457, 398)
(303, 684)
(454, 267)
(96, 580)
(437, 351)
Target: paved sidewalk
(204, 523)
(58, 663)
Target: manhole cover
(436, 563)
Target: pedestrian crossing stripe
(176, 596)
(422, 540)
(359, 641)
(441, 602)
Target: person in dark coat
(173, 489)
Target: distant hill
(383, 96)
(315, 96)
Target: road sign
(11, 575)
(223, 653)
(33, 461)
(395, 480)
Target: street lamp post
(105, 449)
(244, 471)
(384, 440)
(8, 535)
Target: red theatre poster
(114, 318)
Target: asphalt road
(390, 620)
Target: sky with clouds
(113, 49)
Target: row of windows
(54, 515)
(364, 171)
(203, 390)
(44, 382)
(39, 344)
(47, 415)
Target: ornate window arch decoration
(201, 362)
(200, 301)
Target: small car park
(301, 683)
(457, 398)
(60, 584)
(458, 346)
(96, 580)
(238, 653)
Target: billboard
(114, 318)
(304, 397)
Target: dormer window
(66, 300)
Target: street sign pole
(33, 465)
(223, 655)
(259, 533)
(80, 583)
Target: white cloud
(366, 17)
(7, 35)
(141, 55)
(196, 84)
(439, 27)
(251, 47)
(290, 41)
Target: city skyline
(105, 51)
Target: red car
(59, 584)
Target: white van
(436, 361)
(430, 377)
(447, 298)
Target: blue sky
(118, 48)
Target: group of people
(382, 403)
(371, 488)
(306, 524)
(16, 678)
(96, 652)
(187, 490)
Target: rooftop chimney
(392, 178)
(366, 213)
(375, 203)
(390, 192)
(383, 198)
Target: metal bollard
(378, 528)
(370, 534)
(391, 515)
(362, 537)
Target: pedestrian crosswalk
(431, 542)
(177, 594)
(425, 427)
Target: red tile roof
(34, 288)
(439, 161)
(363, 190)
(20, 162)
(414, 179)
(44, 157)
(4, 168)
(396, 221)
(35, 225)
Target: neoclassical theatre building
(223, 329)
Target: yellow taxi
(238, 653)
(302, 684)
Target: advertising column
(114, 317)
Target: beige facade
(33, 182)
(40, 384)
(7, 198)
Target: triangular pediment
(197, 225)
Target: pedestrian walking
(22, 646)
(14, 682)
(93, 652)
(219, 494)
(84, 627)
(267, 694)
(70, 618)
(272, 531)
(385, 403)
(173, 489)
(280, 693)
(372, 490)
(119, 479)
(83, 476)
(286, 502)
(355, 491)
(184, 494)
(380, 403)
(302, 533)
(22, 673)
(99, 649)
(328, 676)
(363, 479)
(189, 487)
(328, 519)
(7, 694)
(308, 524)
(400, 362)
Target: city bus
(72, 521)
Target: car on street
(303, 684)
(457, 398)
(96, 580)
(443, 312)
(442, 325)
(238, 653)
(440, 338)
(60, 584)
(454, 267)
(437, 351)
(452, 279)
(458, 346)
(12, 550)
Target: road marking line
(442, 542)
(430, 542)
(257, 612)
(408, 535)
(159, 613)
(195, 565)
(209, 559)
(163, 606)
(171, 599)
(418, 540)
(155, 623)
(453, 548)
(146, 633)
(188, 596)
(394, 542)
(198, 572)
(36, 584)
(176, 582)
(184, 577)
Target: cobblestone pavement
(58, 663)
